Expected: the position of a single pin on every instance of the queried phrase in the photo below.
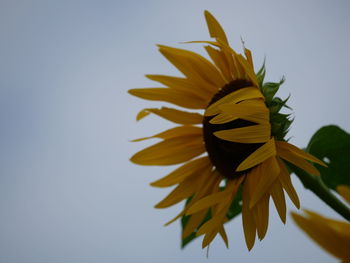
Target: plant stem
(315, 184)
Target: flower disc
(225, 155)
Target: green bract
(280, 122)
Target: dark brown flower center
(226, 156)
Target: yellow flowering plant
(232, 152)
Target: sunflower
(237, 142)
(332, 235)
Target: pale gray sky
(67, 190)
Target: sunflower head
(240, 129)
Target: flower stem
(316, 185)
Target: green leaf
(188, 239)
(269, 89)
(332, 145)
(280, 124)
(261, 74)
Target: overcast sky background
(67, 190)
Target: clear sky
(67, 190)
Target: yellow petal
(184, 171)
(286, 182)
(340, 227)
(297, 160)
(213, 224)
(222, 197)
(171, 151)
(208, 238)
(249, 226)
(290, 147)
(193, 65)
(219, 211)
(213, 43)
(234, 97)
(261, 216)
(344, 191)
(206, 88)
(204, 187)
(223, 234)
(253, 110)
(208, 186)
(142, 114)
(180, 98)
(231, 187)
(193, 223)
(185, 130)
(220, 61)
(230, 55)
(236, 70)
(200, 189)
(183, 191)
(277, 194)
(181, 214)
(260, 118)
(215, 29)
(182, 84)
(249, 134)
(261, 154)
(241, 71)
(269, 171)
(176, 196)
(248, 54)
(176, 83)
(253, 106)
(207, 202)
(248, 69)
(323, 235)
(177, 116)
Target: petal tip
(134, 159)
